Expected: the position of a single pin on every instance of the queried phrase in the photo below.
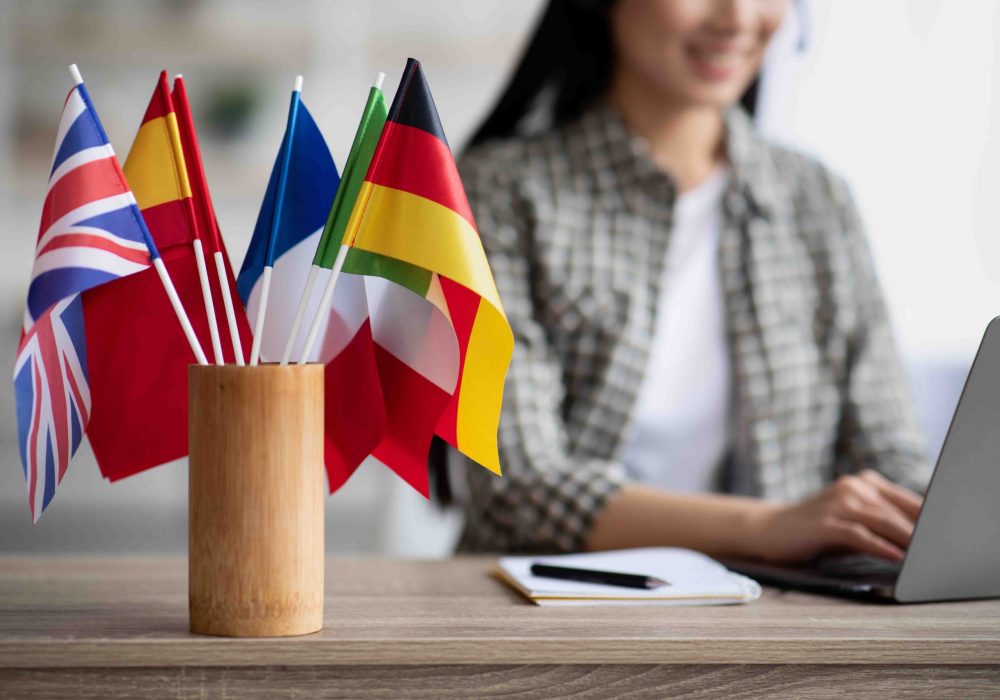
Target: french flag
(292, 217)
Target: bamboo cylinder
(255, 497)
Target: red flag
(208, 225)
(137, 353)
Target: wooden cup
(255, 496)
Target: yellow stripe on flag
(157, 144)
(481, 393)
(419, 231)
(424, 233)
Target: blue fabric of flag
(83, 133)
(50, 473)
(49, 287)
(24, 401)
(72, 319)
(120, 222)
(310, 185)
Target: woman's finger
(904, 499)
(884, 520)
(858, 537)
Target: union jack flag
(91, 233)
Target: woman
(702, 353)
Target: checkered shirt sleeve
(547, 498)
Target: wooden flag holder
(256, 493)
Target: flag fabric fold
(442, 340)
(91, 234)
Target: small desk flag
(442, 340)
(91, 234)
(223, 282)
(300, 201)
(137, 351)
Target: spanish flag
(443, 343)
(138, 355)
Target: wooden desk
(118, 627)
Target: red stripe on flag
(25, 337)
(462, 307)
(201, 199)
(77, 397)
(160, 105)
(354, 415)
(169, 225)
(89, 240)
(87, 183)
(56, 391)
(412, 407)
(415, 161)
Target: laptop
(955, 550)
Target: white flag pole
(161, 270)
(206, 289)
(181, 314)
(331, 283)
(227, 301)
(299, 313)
(222, 271)
(206, 293)
(324, 304)
(265, 290)
(258, 326)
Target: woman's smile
(717, 63)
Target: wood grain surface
(449, 629)
(508, 681)
(256, 492)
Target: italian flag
(355, 419)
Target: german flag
(411, 224)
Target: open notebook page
(694, 579)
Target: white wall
(903, 98)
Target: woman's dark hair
(568, 64)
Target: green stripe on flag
(358, 160)
(363, 262)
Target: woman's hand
(859, 513)
(863, 513)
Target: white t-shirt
(680, 427)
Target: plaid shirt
(576, 223)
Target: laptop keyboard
(861, 568)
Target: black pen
(609, 578)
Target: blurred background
(901, 96)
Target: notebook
(693, 579)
